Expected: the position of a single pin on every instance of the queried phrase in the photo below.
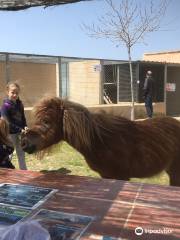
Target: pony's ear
(78, 127)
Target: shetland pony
(113, 146)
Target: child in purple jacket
(13, 111)
(6, 145)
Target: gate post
(101, 84)
(7, 77)
(165, 81)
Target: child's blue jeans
(20, 153)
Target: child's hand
(4, 146)
(24, 130)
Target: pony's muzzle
(26, 146)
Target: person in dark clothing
(149, 90)
(13, 111)
(6, 145)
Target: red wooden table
(119, 207)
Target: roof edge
(162, 52)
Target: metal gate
(117, 85)
(110, 84)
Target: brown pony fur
(113, 146)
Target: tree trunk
(132, 90)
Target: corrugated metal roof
(160, 62)
(19, 57)
(53, 58)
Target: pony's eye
(45, 122)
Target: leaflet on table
(62, 225)
(25, 196)
(10, 215)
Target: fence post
(101, 85)
(58, 78)
(7, 66)
(165, 82)
(117, 66)
(137, 81)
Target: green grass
(66, 160)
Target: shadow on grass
(60, 170)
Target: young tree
(128, 23)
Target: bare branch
(129, 23)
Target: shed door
(110, 84)
(117, 83)
(173, 91)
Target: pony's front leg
(174, 178)
(174, 173)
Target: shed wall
(84, 82)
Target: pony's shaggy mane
(79, 125)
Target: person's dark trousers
(149, 106)
(7, 164)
